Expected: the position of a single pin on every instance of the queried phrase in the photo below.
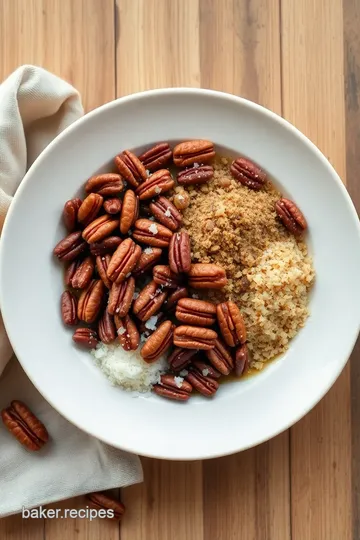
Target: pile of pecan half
(129, 270)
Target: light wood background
(300, 58)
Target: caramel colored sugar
(237, 228)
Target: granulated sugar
(127, 368)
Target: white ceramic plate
(242, 414)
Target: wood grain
(313, 99)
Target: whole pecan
(70, 247)
(231, 323)
(101, 501)
(90, 301)
(205, 385)
(172, 300)
(173, 387)
(205, 369)
(149, 301)
(248, 173)
(90, 208)
(121, 297)
(220, 357)
(180, 358)
(159, 182)
(195, 175)
(83, 274)
(100, 228)
(102, 264)
(131, 168)
(22, 423)
(123, 260)
(190, 152)
(242, 359)
(86, 337)
(108, 245)
(149, 257)
(162, 275)
(106, 328)
(112, 206)
(291, 216)
(151, 233)
(128, 334)
(70, 213)
(158, 343)
(197, 312)
(155, 158)
(129, 211)
(180, 253)
(207, 276)
(70, 272)
(69, 308)
(107, 184)
(194, 337)
(166, 213)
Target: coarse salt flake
(148, 173)
(196, 165)
(151, 323)
(178, 381)
(148, 250)
(135, 295)
(157, 189)
(184, 372)
(153, 228)
(167, 213)
(121, 330)
(205, 372)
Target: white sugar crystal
(184, 372)
(167, 213)
(157, 189)
(121, 331)
(148, 250)
(153, 228)
(205, 372)
(178, 381)
(151, 323)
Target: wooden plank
(352, 122)
(313, 99)
(74, 40)
(248, 492)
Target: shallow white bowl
(244, 413)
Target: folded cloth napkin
(35, 106)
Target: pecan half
(205, 369)
(121, 297)
(195, 175)
(155, 158)
(90, 301)
(180, 358)
(70, 272)
(159, 182)
(22, 423)
(165, 277)
(102, 264)
(242, 359)
(220, 357)
(90, 208)
(207, 276)
(180, 253)
(131, 168)
(106, 328)
(100, 228)
(123, 260)
(105, 184)
(194, 337)
(128, 334)
(149, 257)
(129, 211)
(231, 323)
(173, 298)
(69, 308)
(190, 152)
(204, 385)
(291, 216)
(83, 274)
(70, 247)
(173, 387)
(195, 312)
(158, 343)
(166, 213)
(248, 173)
(149, 301)
(70, 213)
(151, 233)
(101, 501)
(86, 337)
(108, 245)
(112, 206)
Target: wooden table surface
(300, 58)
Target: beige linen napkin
(35, 106)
